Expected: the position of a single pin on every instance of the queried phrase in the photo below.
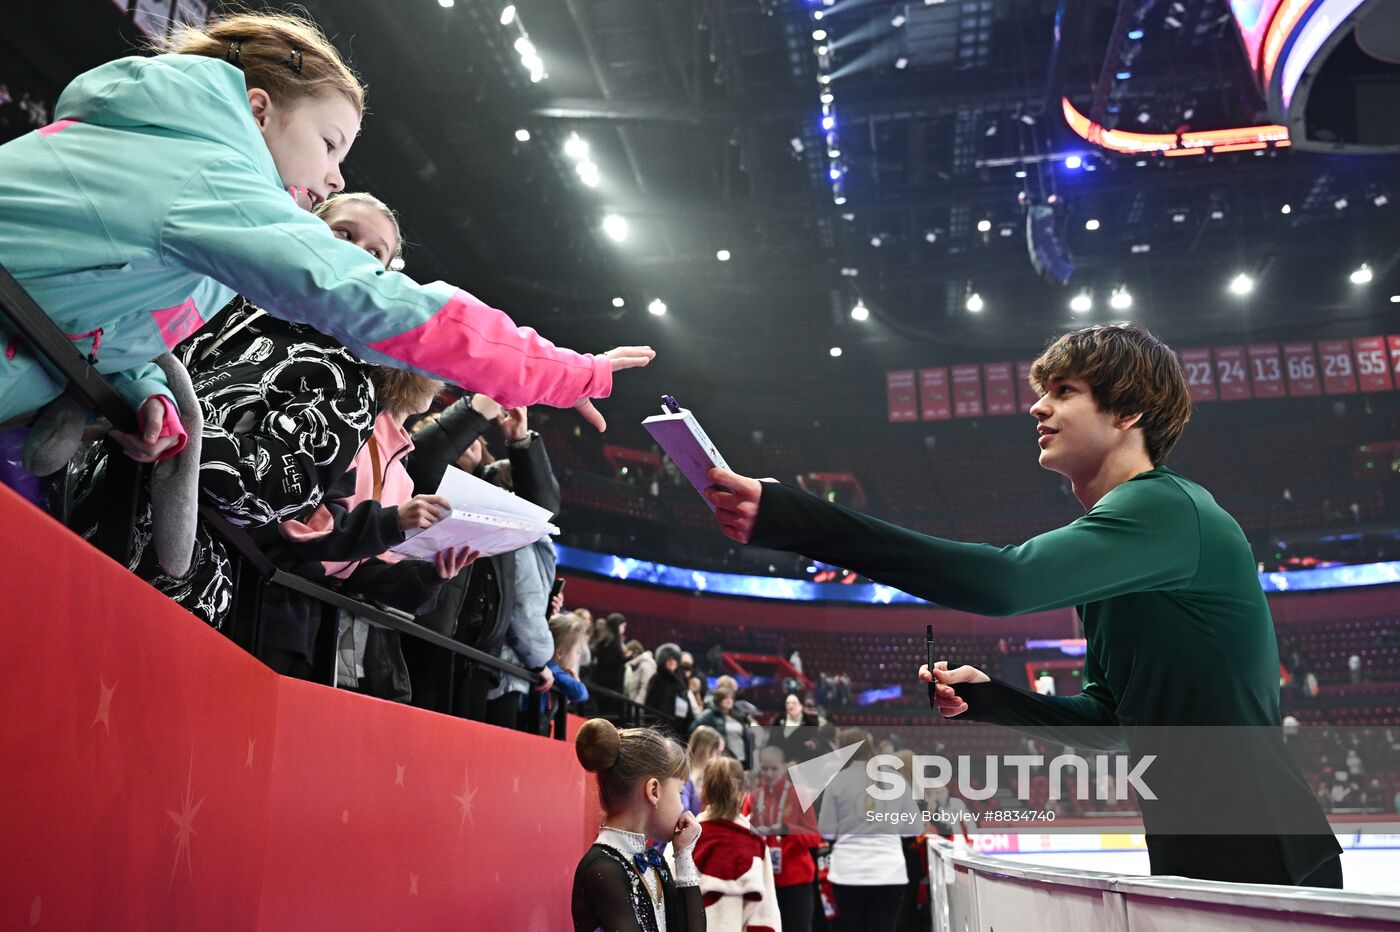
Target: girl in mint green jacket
(168, 184)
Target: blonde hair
(722, 788)
(624, 759)
(287, 56)
(335, 201)
(567, 629)
(705, 742)
(402, 392)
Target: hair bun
(597, 745)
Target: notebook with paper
(484, 518)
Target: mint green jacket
(152, 200)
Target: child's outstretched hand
(687, 832)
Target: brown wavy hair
(722, 788)
(1129, 371)
(266, 42)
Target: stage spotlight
(930, 237)
(1081, 303)
(901, 63)
(508, 15)
(657, 307)
(860, 311)
(984, 226)
(1286, 209)
(1073, 161)
(1021, 173)
(722, 255)
(876, 241)
(828, 123)
(818, 34)
(1361, 275)
(898, 21)
(445, 4)
(1241, 284)
(575, 148)
(974, 303)
(522, 135)
(839, 200)
(618, 302)
(1091, 225)
(1135, 34)
(1340, 203)
(827, 97)
(1120, 300)
(835, 352)
(615, 227)
(588, 173)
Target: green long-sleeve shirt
(1162, 577)
(1178, 629)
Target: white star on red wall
(104, 705)
(184, 825)
(465, 800)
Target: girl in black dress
(622, 884)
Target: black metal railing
(253, 569)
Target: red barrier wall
(156, 777)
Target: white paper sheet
(484, 518)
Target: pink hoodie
(393, 443)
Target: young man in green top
(1178, 629)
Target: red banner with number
(1266, 370)
(1231, 378)
(1338, 371)
(1394, 342)
(1372, 367)
(934, 397)
(1001, 394)
(1300, 365)
(1024, 392)
(901, 396)
(967, 391)
(1200, 375)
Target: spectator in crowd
(794, 730)
(1354, 668)
(639, 780)
(586, 655)
(696, 694)
(738, 739)
(270, 392)
(569, 632)
(790, 835)
(641, 666)
(609, 661)
(736, 874)
(501, 607)
(867, 872)
(705, 745)
(667, 691)
(795, 661)
(346, 539)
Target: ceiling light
(1395, 299)
(574, 147)
(525, 47)
(901, 63)
(930, 237)
(860, 312)
(722, 255)
(1021, 173)
(1380, 200)
(1286, 209)
(898, 21)
(588, 173)
(1091, 225)
(818, 34)
(657, 307)
(1081, 303)
(833, 153)
(984, 226)
(834, 173)
(508, 15)
(1241, 284)
(817, 14)
(522, 135)
(1073, 161)
(823, 79)
(835, 352)
(445, 4)
(827, 97)
(618, 302)
(615, 227)
(974, 303)
(1120, 300)
(1135, 34)
(1178, 217)
(876, 241)
(1361, 275)
(1217, 215)
(839, 200)
(1340, 203)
